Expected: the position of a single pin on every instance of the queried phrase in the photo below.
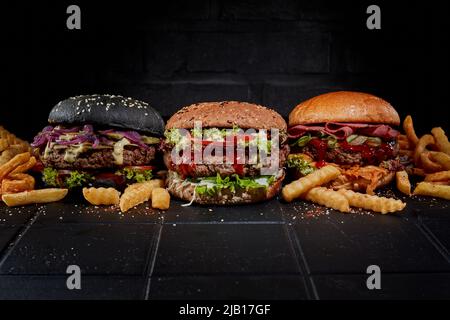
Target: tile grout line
(152, 262)
(16, 239)
(302, 263)
(430, 236)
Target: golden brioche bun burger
(352, 130)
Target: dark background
(173, 53)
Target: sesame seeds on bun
(108, 110)
(227, 114)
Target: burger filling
(221, 180)
(76, 156)
(209, 167)
(345, 144)
(366, 153)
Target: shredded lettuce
(212, 185)
(173, 136)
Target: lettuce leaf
(50, 177)
(135, 175)
(212, 185)
(77, 179)
(300, 164)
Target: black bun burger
(223, 183)
(99, 140)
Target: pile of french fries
(10, 146)
(17, 187)
(133, 195)
(431, 157)
(311, 188)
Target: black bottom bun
(184, 190)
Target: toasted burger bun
(185, 190)
(344, 106)
(108, 111)
(227, 114)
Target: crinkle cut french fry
(329, 198)
(374, 203)
(317, 178)
(138, 193)
(101, 196)
(432, 190)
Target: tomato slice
(38, 167)
(105, 177)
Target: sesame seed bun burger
(225, 178)
(98, 140)
(352, 130)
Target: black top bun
(109, 111)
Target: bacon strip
(343, 130)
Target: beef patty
(224, 169)
(99, 159)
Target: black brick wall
(174, 53)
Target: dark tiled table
(270, 250)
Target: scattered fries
(101, 196)
(428, 164)
(433, 190)
(10, 146)
(160, 199)
(402, 181)
(441, 140)
(329, 198)
(442, 158)
(371, 202)
(25, 166)
(12, 164)
(34, 196)
(410, 132)
(425, 141)
(431, 155)
(138, 193)
(317, 178)
(438, 176)
(17, 182)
